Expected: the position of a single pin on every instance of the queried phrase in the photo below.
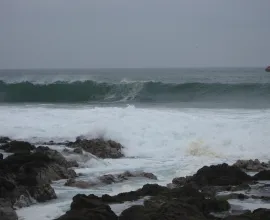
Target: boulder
(18, 147)
(136, 212)
(6, 210)
(99, 147)
(109, 178)
(146, 190)
(251, 165)
(53, 155)
(72, 163)
(180, 181)
(79, 184)
(174, 210)
(8, 213)
(26, 177)
(220, 175)
(263, 175)
(172, 204)
(42, 193)
(88, 207)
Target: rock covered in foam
(251, 165)
(109, 179)
(99, 147)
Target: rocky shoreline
(27, 172)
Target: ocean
(170, 121)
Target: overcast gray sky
(138, 33)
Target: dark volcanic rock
(4, 140)
(146, 190)
(258, 214)
(174, 210)
(42, 193)
(180, 181)
(220, 175)
(134, 213)
(99, 147)
(88, 207)
(179, 203)
(79, 184)
(26, 176)
(263, 175)
(6, 211)
(109, 178)
(251, 165)
(18, 147)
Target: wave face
(92, 91)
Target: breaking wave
(92, 91)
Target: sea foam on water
(167, 142)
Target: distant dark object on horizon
(267, 69)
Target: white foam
(167, 142)
(250, 204)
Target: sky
(134, 33)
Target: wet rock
(146, 190)
(88, 207)
(179, 203)
(24, 201)
(220, 175)
(173, 210)
(78, 150)
(53, 155)
(99, 147)
(239, 187)
(263, 175)
(109, 178)
(136, 212)
(8, 213)
(258, 214)
(18, 147)
(6, 210)
(239, 196)
(42, 193)
(180, 181)
(251, 165)
(72, 163)
(79, 184)
(28, 175)
(4, 140)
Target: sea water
(169, 124)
